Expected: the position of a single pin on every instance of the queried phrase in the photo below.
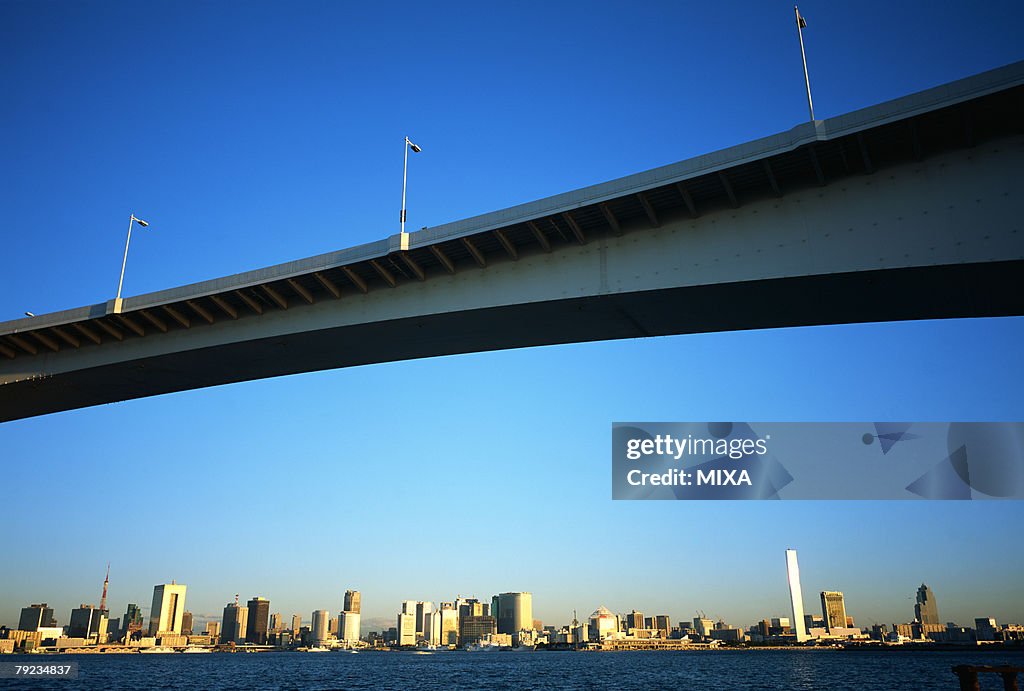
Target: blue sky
(249, 134)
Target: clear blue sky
(250, 134)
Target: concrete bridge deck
(905, 210)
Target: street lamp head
(141, 222)
(29, 314)
(415, 149)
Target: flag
(801, 20)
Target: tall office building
(634, 620)
(276, 623)
(662, 624)
(432, 628)
(348, 626)
(35, 617)
(186, 623)
(472, 629)
(703, 626)
(926, 611)
(349, 617)
(449, 633)
(86, 621)
(471, 607)
(132, 618)
(168, 609)
(406, 626)
(296, 624)
(256, 626)
(423, 610)
(321, 622)
(235, 621)
(213, 630)
(796, 596)
(513, 613)
(603, 623)
(833, 610)
(986, 628)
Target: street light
(405, 175)
(117, 300)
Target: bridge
(910, 209)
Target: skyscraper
(276, 623)
(406, 627)
(926, 611)
(86, 621)
(449, 624)
(423, 610)
(796, 596)
(132, 618)
(321, 621)
(256, 626)
(471, 607)
(513, 612)
(349, 617)
(168, 609)
(473, 628)
(186, 623)
(236, 620)
(348, 626)
(296, 624)
(833, 610)
(35, 616)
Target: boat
(482, 646)
(196, 649)
(157, 649)
(317, 649)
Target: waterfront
(749, 669)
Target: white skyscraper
(796, 597)
(168, 608)
(406, 627)
(348, 627)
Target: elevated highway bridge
(911, 209)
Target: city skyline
(276, 137)
(251, 630)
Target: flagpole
(800, 23)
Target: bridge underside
(905, 210)
(990, 289)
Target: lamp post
(801, 24)
(120, 282)
(405, 175)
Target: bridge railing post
(968, 677)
